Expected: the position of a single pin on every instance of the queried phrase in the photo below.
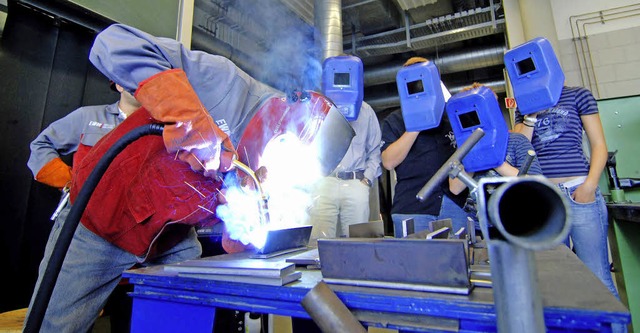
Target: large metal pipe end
(328, 311)
(530, 212)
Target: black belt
(359, 175)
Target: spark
(197, 159)
(222, 194)
(206, 209)
(195, 189)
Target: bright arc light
(292, 170)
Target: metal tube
(454, 160)
(530, 212)
(515, 288)
(328, 21)
(328, 311)
(524, 169)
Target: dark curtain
(44, 75)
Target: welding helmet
(421, 97)
(535, 75)
(343, 83)
(478, 108)
(312, 117)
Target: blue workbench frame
(574, 299)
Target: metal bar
(328, 311)
(455, 159)
(524, 169)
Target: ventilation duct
(328, 21)
(451, 63)
(380, 103)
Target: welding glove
(189, 130)
(233, 246)
(55, 173)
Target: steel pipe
(328, 311)
(530, 212)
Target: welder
(143, 209)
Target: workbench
(574, 301)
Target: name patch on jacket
(101, 125)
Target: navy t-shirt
(429, 152)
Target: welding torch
(263, 208)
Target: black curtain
(44, 75)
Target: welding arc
(43, 295)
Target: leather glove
(55, 173)
(189, 129)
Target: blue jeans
(589, 235)
(448, 209)
(91, 270)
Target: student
(80, 129)
(342, 198)
(517, 147)
(556, 135)
(143, 210)
(416, 156)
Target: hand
(232, 245)
(249, 183)
(584, 194)
(55, 173)
(189, 130)
(366, 181)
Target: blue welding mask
(421, 97)
(535, 74)
(343, 83)
(478, 108)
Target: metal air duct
(379, 103)
(451, 63)
(328, 21)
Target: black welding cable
(69, 227)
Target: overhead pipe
(328, 22)
(450, 63)
(382, 102)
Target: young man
(144, 208)
(342, 198)
(79, 130)
(416, 156)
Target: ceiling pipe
(380, 103)
(450, 63)
(328, 22)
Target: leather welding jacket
(144, 193)
(79, 130)
(129, 56)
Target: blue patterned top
(557, 137)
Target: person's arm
(506, 170)
(593, 127)
(153, 68)
(62, 137)
(456, 186)
(374, 139)
(397, 151)
(525, 124)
